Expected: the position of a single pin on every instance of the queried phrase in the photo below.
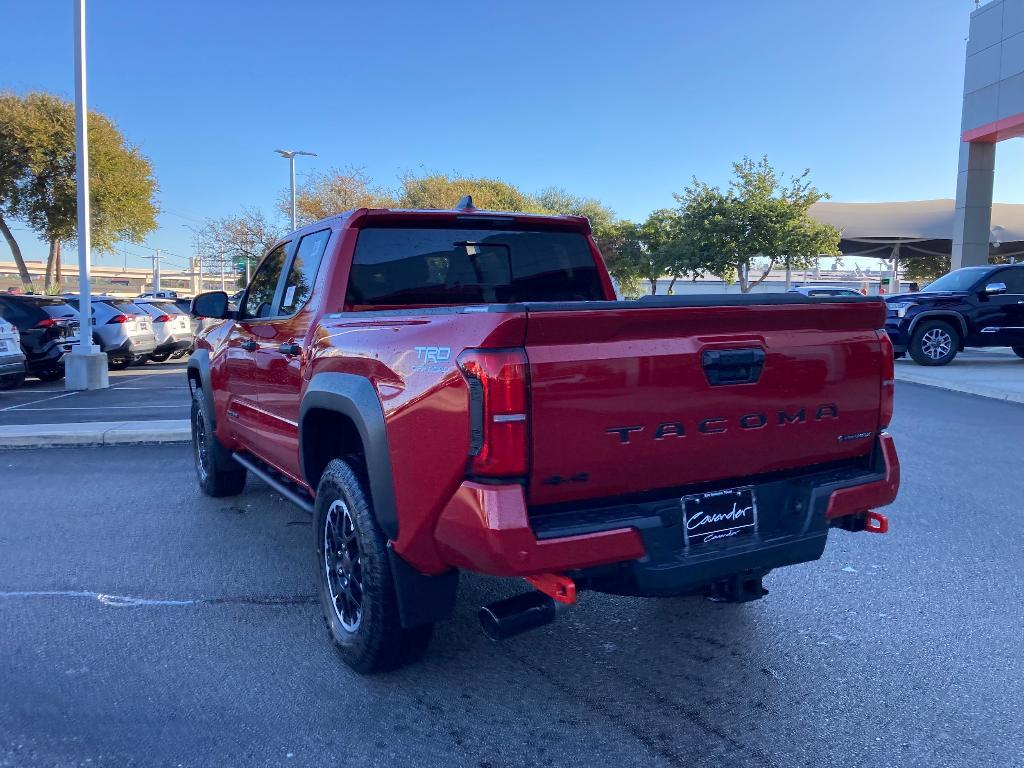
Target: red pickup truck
(460, 390)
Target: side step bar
(295, 495)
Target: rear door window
(303, 271)
(408, 266)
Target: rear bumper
(897, 336)
(173, 345)
(12, 364)
(132, 345)
(50, 358)
(638, 548)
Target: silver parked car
(172, 327)
(12, 358)
(122, 330)
(824, 290)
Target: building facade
(993, 111)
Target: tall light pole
(196, 262)
(290, 154)
(86, 366)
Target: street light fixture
(290, 154)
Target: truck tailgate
(622, 399)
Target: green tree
(923, 268)
(761, 220)
(557, 200)
(336, 190)
(439, 191)
(37, 177)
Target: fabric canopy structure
(885, 230)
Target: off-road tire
(372, 639)
(1018, 350)
(218, 474)
(935, 342)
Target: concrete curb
(95, 433)
(936, 381)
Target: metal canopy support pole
(86, 366)
(894, 286)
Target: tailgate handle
(732, 366)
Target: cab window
(303, 271)
(1014, 279)
(259, 297)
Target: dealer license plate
(719, 516)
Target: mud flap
(422, 599)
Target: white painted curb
(95, 433)
(933, 380)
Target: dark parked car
(969, 307)
(48, 325)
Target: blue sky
(621, 101)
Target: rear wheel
(12, 380)
(119, 362)
(934, 343)
(1019, 350)
(357, 592)
(218, 474)
(159, 357)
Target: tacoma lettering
(714, 425)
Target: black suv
(47, 325)
(969, 307)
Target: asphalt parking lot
(154, 391)
(145, 624)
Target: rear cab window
(404, 266)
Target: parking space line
(34, 402)
(105, 407)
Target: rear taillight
(888, 380)
(118, 319)
(47, 323)
(163, 319)
(499, 428)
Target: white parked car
(12, 357)
(172, 327)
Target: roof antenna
(465, 204)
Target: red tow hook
(875, 522)
(559, 588)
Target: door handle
(289, 349)
(732, 366)
(249, 346)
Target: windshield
(958, 279)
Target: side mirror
(212, 304)
(994, 289)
